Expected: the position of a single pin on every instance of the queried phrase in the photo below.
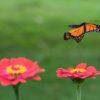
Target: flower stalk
(16, 91)
(78, 92)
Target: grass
(34, 29)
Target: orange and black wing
(92, 28)
(87, 27)
(76, 32)
(66, 36)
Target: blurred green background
(34, 29)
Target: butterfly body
(79, 31)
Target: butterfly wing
(88, 27)
(92, 28)
(66, 36)
(76, 32)
(76, 26)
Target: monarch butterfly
(79, 31)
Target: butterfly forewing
(66, 36)
(91, 27)
(77, 32)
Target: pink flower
(80, 72)
(14, 71)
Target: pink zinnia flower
(80, 72)
(14, 71)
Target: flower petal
(91, 68)
(81, 66)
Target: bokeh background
(34, 29)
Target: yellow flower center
(16, 70)
(78, 70)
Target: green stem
(78, 92)
(16, 90)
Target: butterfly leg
(78, 39)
